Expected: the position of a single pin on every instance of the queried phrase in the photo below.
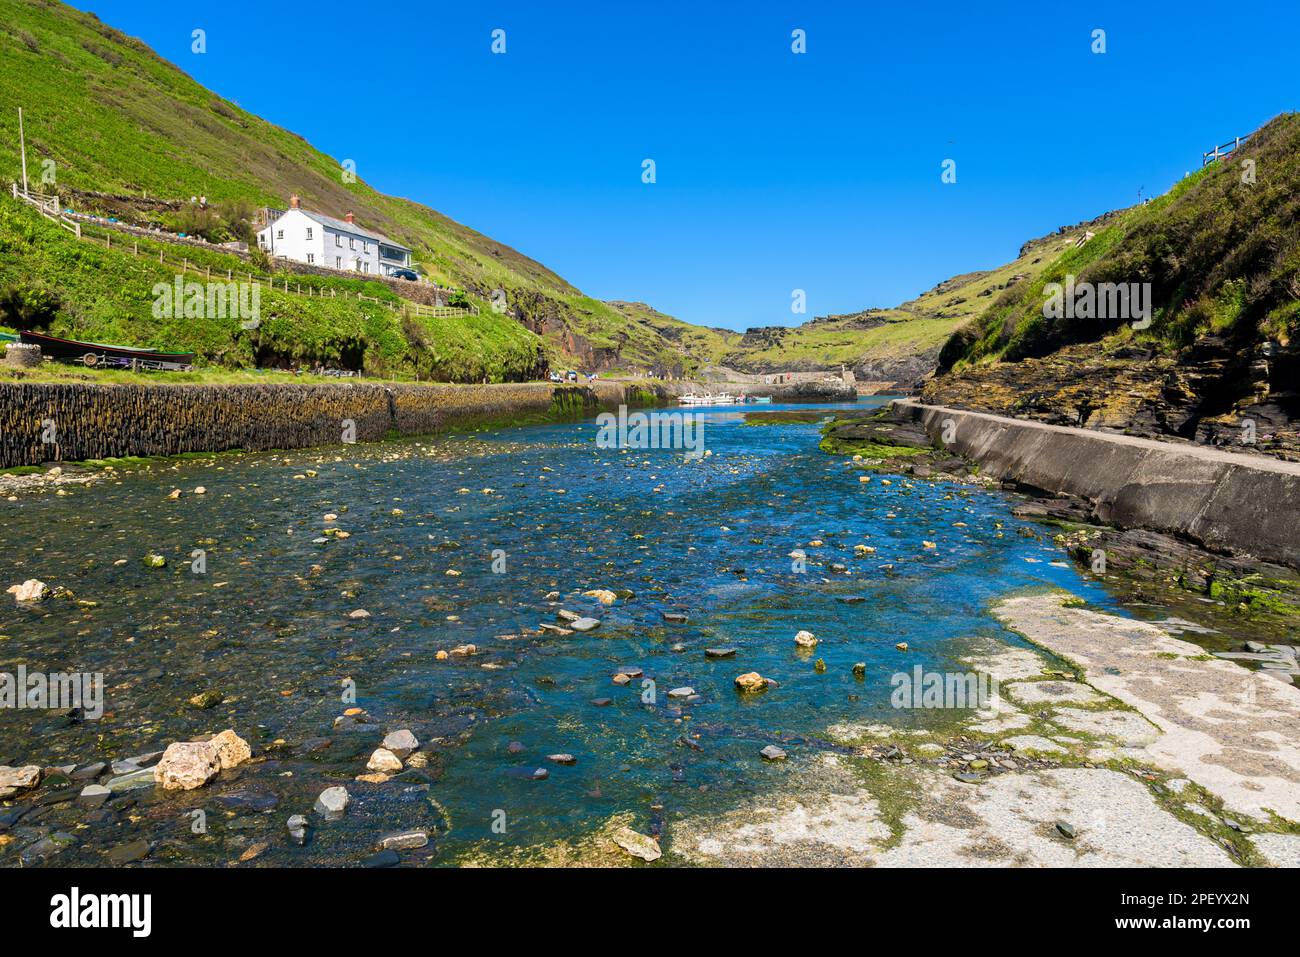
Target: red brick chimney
(349, 217)
(295, 202)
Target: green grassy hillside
(900, 344)
(1222, 255)
(113, 117)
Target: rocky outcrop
(1211, 393)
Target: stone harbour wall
(1223, 501)
(70, 422)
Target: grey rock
(401, 743)
(586, 624)
(141, 778)
(719, 652)
(88, 772)
(333, 803)
(404, 841)
(93, 795)
(773, 753)
(129, 852)
(299, 829)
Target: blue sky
(775, 171)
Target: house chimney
(349, 217)
(295, 202)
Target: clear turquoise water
(710, 539)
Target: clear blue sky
(775, 171)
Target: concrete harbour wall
(1224, 501)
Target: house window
(309, 234)
(338, 240)
(311, 258)
(338, 262)
(352, 243)
(279, 234)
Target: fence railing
(1219, 152)
(48, 206)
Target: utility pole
(22, 145)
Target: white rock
(384, 760)
(187, 765)
(26, 776)
(638, 845)
(31, 590)
(805, 639)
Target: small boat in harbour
(721, 398)
(99, 355)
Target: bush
(29, 308)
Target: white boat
(721, 398)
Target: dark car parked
(406, 274)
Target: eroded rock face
(187, 765)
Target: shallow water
(267, 626)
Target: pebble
(128, 853)
(586, 624)
(1066, 830)
(773, 753)
(93, 795)
(675, 617)
(719, 652)
(299, 829)
(562, 758)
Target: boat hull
(95, 354)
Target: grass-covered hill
(897, 346)
(1221, 252)
(1222, 255)
(117, 119)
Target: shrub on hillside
(28, 308)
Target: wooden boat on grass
(96, 355)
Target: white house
(320, 240)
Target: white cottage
(320, 240)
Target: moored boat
(98, 354)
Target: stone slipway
(1239, 503)
(1230, 730)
